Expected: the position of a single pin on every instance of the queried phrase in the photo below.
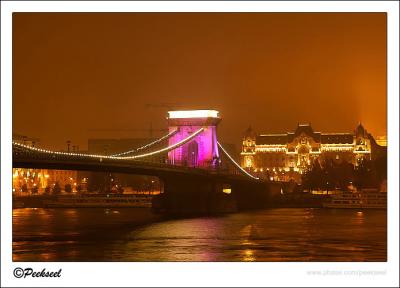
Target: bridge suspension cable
(147, 145)
(165, 149)
(235, 163)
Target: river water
(284, 234)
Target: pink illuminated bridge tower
(202, 150)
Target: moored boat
(364, 199)
(100, 200)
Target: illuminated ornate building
(283, 156)
(381, 140)
(26, 181)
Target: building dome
(360, 130)
(249, 133)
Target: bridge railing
(225, 165)
(237, 169)
(156, 161)
(148, 147)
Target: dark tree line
(107, 182)
(104, 183)
(329, 175)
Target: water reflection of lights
(278, 235)
(71, 212)
(359, 218)
(72, 253)
(245, 231)
(47, 256)
(249, 255)
(309, 214)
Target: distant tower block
(201, 151)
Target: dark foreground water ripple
(95, 234)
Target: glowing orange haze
(74, 72)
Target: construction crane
(167, 105)
(150, 130)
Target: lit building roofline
(273, 135)
(188, 114)
(337, 134)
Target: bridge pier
(250, 195)
(193, 196)
(198, 196)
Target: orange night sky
(73, 72)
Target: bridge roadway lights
(185, 196)
(186, 190)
